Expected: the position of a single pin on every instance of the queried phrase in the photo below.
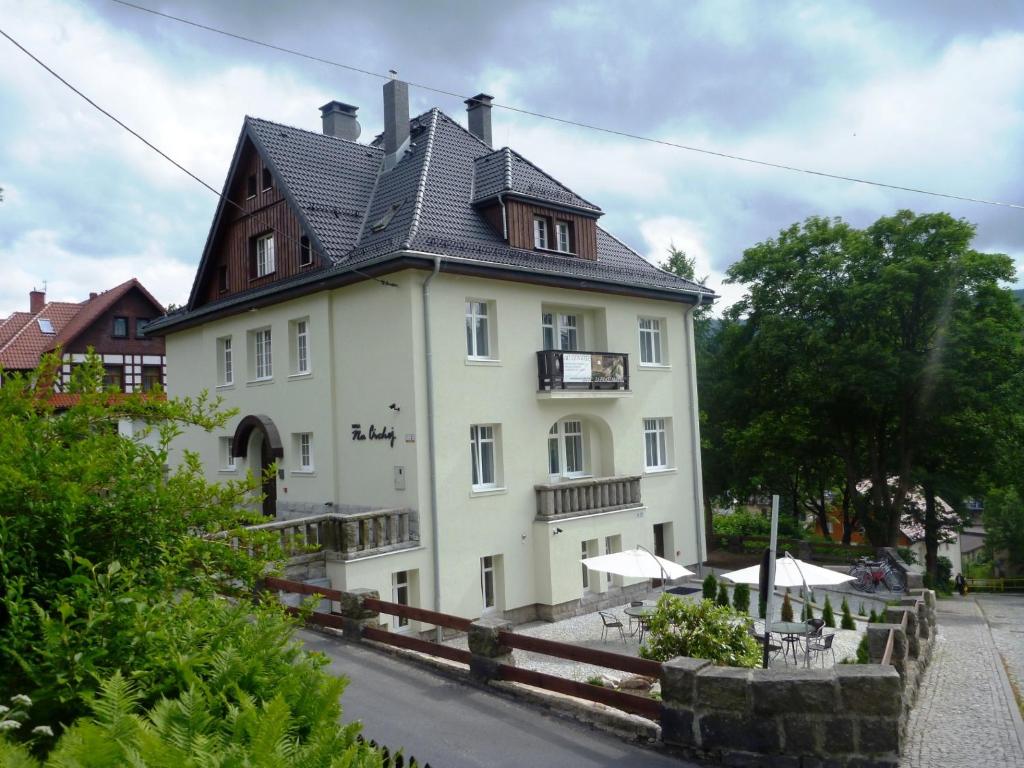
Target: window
(120, 330)
(140, 326)
(222, 279)
(540, 232)
(656, 444)
(560, 331)
(482, 452)
(584, 554)
(227, 460)
(113, 377)
(225, 361)
(562, 236)
(400, 594)
(650, 341)
(303, 443)
(45, 326)
(250, 187)
(300, 347)
(264, 255)
(612, 544)
(305, 252)
(565, 449)
(478, 330)
(263, 368)
(487, 590)
(268, 180)
(152, 378)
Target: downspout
(698, 477)
(435, 545)
(504, 217)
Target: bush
(787, 608)
(710, 587)
(742, 522)
(908, 554)
(847, 620)
(872, 617)
(741, 598)
(723, 595)
(807, 612)
(863, 655)
(944, 568)
(827, 615)
(700, 630)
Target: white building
(431, 327)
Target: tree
(827, 614)
(741, 598)
(1004, 524)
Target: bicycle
(868, 574)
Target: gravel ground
(585, 630)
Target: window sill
(260, 382)
(295, 376)
(230, 385)
(483, 361)
(554, 251)
(223, 471)
(260, 277)
(487, 491)
(660, 470)
(304, 472)
(655, 366)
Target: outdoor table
(792, 632)
(641, 613)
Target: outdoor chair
(773, 649)
(814, 627)
(817, 646)
(608, 621)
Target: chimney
(478, 109)
(340, 120)
(36, 301)
(396, 121)
(92, 295)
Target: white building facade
(512, 408)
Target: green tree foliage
(723, 595)
(741, 598)
(867, 354)
(863, 651)
(710, 587)
(827, 614)
(847, 621)
(700, 630)
(1004, 525)
(787, 608)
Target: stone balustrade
(587, 497)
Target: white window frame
(479, 313)
(585, 553)
(303, 444)
(481, 435)
(652, 341)
(265, 255)
(227, 461)
(657, 444)
(552, 326)
(263, 355)
(225, 361)
(562, 234)
(488, 575)
(540, 232)
(559, 437)
(300, 347)
(400, 582)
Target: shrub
(847, 620)
(723, 595)
(807, 613)
(742, 522)
(908, 555)
(860, 611)
(710, 587)
(741, 598)
(787, 608)
(596, 680)
(944, 569)
(863, 655)
(700, 630)
(827, 615)
(872, 617)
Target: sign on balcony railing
(593, 370)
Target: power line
(167, 157)
(574, 123)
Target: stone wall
(849, 715)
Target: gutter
(698, 475)
(435, 544)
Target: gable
(134, 305)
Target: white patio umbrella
(637, 563)
(790, 572)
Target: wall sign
(575, 367)
(373, 433)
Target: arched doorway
(257, 439)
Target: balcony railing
(557, 369)
(346, 536)
(587, 497)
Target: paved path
(965, 715)
(447, 724)
(1005, 615)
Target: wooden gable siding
(520, 215)
(268, 212)
(100, 334)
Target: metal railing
(557, 369)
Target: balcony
(582, 374)
(592, 496)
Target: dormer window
(250, 187)
(540, 232)
(268, 180)
(562, 242)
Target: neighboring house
(432, 326)
(110, 323)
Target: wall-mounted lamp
(394, 407)
(557, 531)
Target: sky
(916, 94)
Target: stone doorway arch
(270, 450)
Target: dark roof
(361, 214)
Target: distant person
(961, 584)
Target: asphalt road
(447, 724)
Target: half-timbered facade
(438, 354)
